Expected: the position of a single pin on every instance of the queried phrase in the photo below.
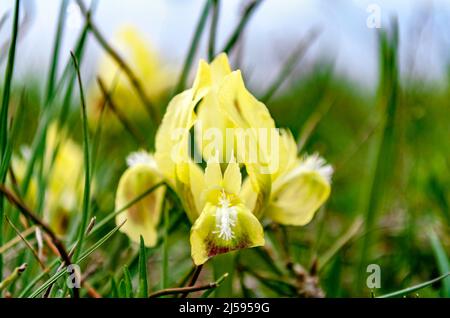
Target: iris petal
(217, 232)
(143, 216)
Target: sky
(274, 31)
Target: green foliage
(390, 150)
(143, 284)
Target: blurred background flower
(150, 68)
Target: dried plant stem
(16, 240)
(189, 289)
(29, 214)
(120, 116)
(185, 290)
(28, 244)
(193, 280)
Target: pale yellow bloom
(64, 173)
(65, 179)
(223, 206)
(212, 200)
(225, 223)
(299, 194)
(145, 63)
(143, 216)
(299, 187)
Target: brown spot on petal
(137, 211)
(214, 249)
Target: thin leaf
(4, 111)
(442, 261)
(383, 149)
(165, 250)
(289, 65)
(12, 277)
(218, 283)
(83, 256)
(143, 284)
(87, 174)
(17, 126)
(8, 80)
(340, 243)
(56, 47)
(193, 48)
(412, 289)
(128, 284)
(114, 289)
(70, 77)
(213, 29)
(241, 25)
(122, 289)
(54, 264)
(112, 215)
(38, 145)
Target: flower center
(225, 218)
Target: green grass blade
(340, 243)
(165, 250)
(54, 264)
(12, 277)
(213, 29)
(83, 256)
(289, 65)
(127, 280)
(412, 289)
(437, 190)
(87, 174)
(38, 145)
(17, 126)
(193, 48)
(8, 79)
(122, 289)
(114, 289)
(143, 284)
(208, 292)
(56, 48)
(442, 261)
(63, 115)
(4, 111)
(249, 10)
(383, 149)
(39, 139)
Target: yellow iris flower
(301, 192)
(223, 206)
(64, 179)
(212, 199)
(299, 186)
(225, 223)
(142, 217)
(145, 64)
